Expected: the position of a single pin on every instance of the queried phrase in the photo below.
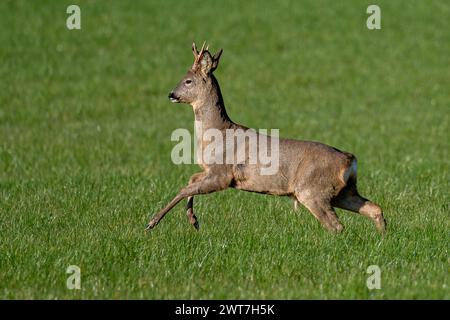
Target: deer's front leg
(192, 218)
(190, 201)
(205, 184)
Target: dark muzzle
(173, 98)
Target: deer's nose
(173, 98)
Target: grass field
(85, 128)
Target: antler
(198, 55)
(201, 52)
(194, 50)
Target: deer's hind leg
(321, 208)
(349, 199)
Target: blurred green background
(85, 128)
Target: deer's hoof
(380, 223)
(196, 225)
(338, 228)
(192, 219)
(335, 228)
(150, 225)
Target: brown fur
(314, 174)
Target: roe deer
(314, 174)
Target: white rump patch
(351, 171)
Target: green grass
(85, 128)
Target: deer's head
(198, 83)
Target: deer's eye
(188, 81)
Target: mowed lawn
(85, 127)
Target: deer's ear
(216, 59)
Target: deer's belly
(262, 189)
(246, 178)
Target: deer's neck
(210, 111)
